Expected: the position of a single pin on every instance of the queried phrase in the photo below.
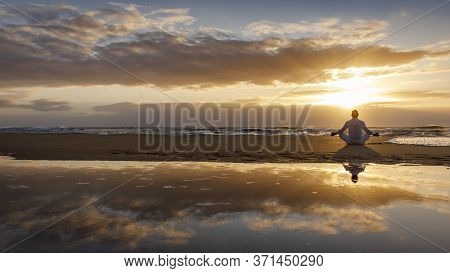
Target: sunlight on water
(422, 141)
(221, 207)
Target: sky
(90, 63)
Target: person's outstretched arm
(341, 130)
(368, 131)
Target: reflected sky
(222, 207)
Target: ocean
(423, 136)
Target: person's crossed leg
(345, 137)
(358, 133)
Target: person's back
(355, 129)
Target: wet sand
(224, 149)
(222, 207)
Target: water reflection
(356, 152)
(219, 207)
(358, 158)
(354, 168)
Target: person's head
(355, 114)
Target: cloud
(169, 18)
(331, 31)
(312, 92)
(13, 94)
(421, 94)
(89, 27)
(218, 33)
(253, 100)
(152, 46)
(270, 28)
(126, 6)
(49, 105)
(46, 13)
(384, 104)
(168, 60)
(397, 98)
(179, 11)
(43, 105)
(120, 108)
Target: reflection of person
(355, 129)
(355, 169)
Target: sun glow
(351, 92)
(349, 99)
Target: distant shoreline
(433, 130)
(125, 148)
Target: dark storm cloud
(42, 105)
(31, 55)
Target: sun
(351, 92)
(349, 99)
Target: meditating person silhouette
(355, 129)
(354, 168)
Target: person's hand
(376, 134)
(333, 133)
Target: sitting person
(355, 128)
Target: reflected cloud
(328, 220)
(100, 226)
(288, 198)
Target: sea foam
(422, 141)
